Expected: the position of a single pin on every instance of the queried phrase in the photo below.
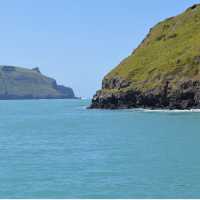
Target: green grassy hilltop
(170, 51)
(163, 71)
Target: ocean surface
(59, 149)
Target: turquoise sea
(59, 149)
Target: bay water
(60, 149)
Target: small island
(163, 72)
(22, 83)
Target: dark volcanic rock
(115, 83)
(186, 96)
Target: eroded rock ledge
(185, 96)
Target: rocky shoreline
(185, 96)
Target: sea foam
(166, 110)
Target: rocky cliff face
(21, 83)
(186, 95)
(163, 72)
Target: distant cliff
(22, 83)
(163, 72)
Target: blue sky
(78, 41)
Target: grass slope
(171, 51)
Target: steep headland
(22, 83)
(163, 72)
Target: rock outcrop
(21, 83)
(163, 72)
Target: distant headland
(23, 83)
